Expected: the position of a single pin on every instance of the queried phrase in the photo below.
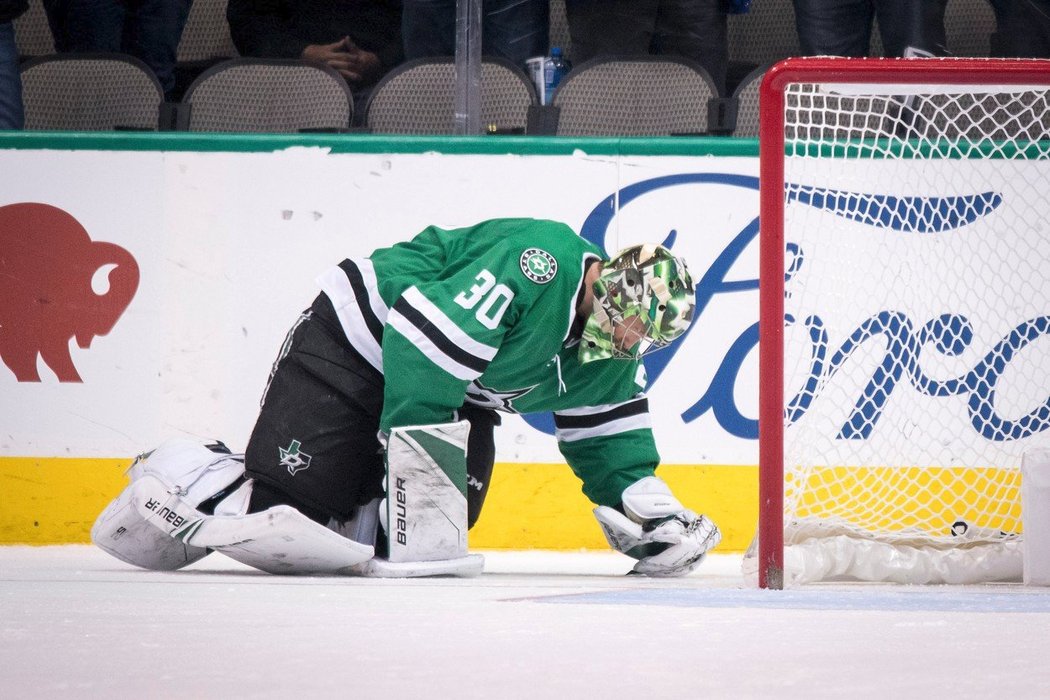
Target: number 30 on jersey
(491, 299)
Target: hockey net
(905, 328)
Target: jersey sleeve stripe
(613, 427)
(598, 415)
(426, 346)
(432, 315)
(362, 278)
(429, 339)
(357, 319)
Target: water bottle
(554, 69)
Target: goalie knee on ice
(279, 540)
(187, 499)
(205, 474)
(199, 471)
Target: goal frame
(772, 143)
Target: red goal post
(921, 130)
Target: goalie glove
(654, 528)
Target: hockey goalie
(373, 448)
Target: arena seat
(634, 96)
(268, 95)
(90, 92)
(418, 97)
(32, 32)
(969, 25)
(745, 99)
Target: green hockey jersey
(488, 315)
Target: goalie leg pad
(280, 540)
(464, 567)
(425, 511)
(202, 470)
(197, 470)
(121, 531)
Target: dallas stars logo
(538, 265)
(292, 458)
(488, 397)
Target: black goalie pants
(315, 444)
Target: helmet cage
(643, 301)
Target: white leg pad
(425, 512)
(280, 540)
(201, 471)
(467, 566)
(121, 532)
(193, 468)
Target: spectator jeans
(692, 29)
(1023, 29)
(147, 29)
(512, 29)
(843, 27)
(11, 113)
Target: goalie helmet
(643, 300)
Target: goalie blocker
(657, 530)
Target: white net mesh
(917, 298)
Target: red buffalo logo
(47, 262)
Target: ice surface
(75, 623)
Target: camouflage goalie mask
(643, 300)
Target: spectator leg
(1023, 29)
(695, 29)
(428, 28)
(81, 26)
(516, 30)
(906, 23)
(834, 27)
(12, 115)
(152, 33)
(610, 27)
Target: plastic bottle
(554, 69)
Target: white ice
(75, 623)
